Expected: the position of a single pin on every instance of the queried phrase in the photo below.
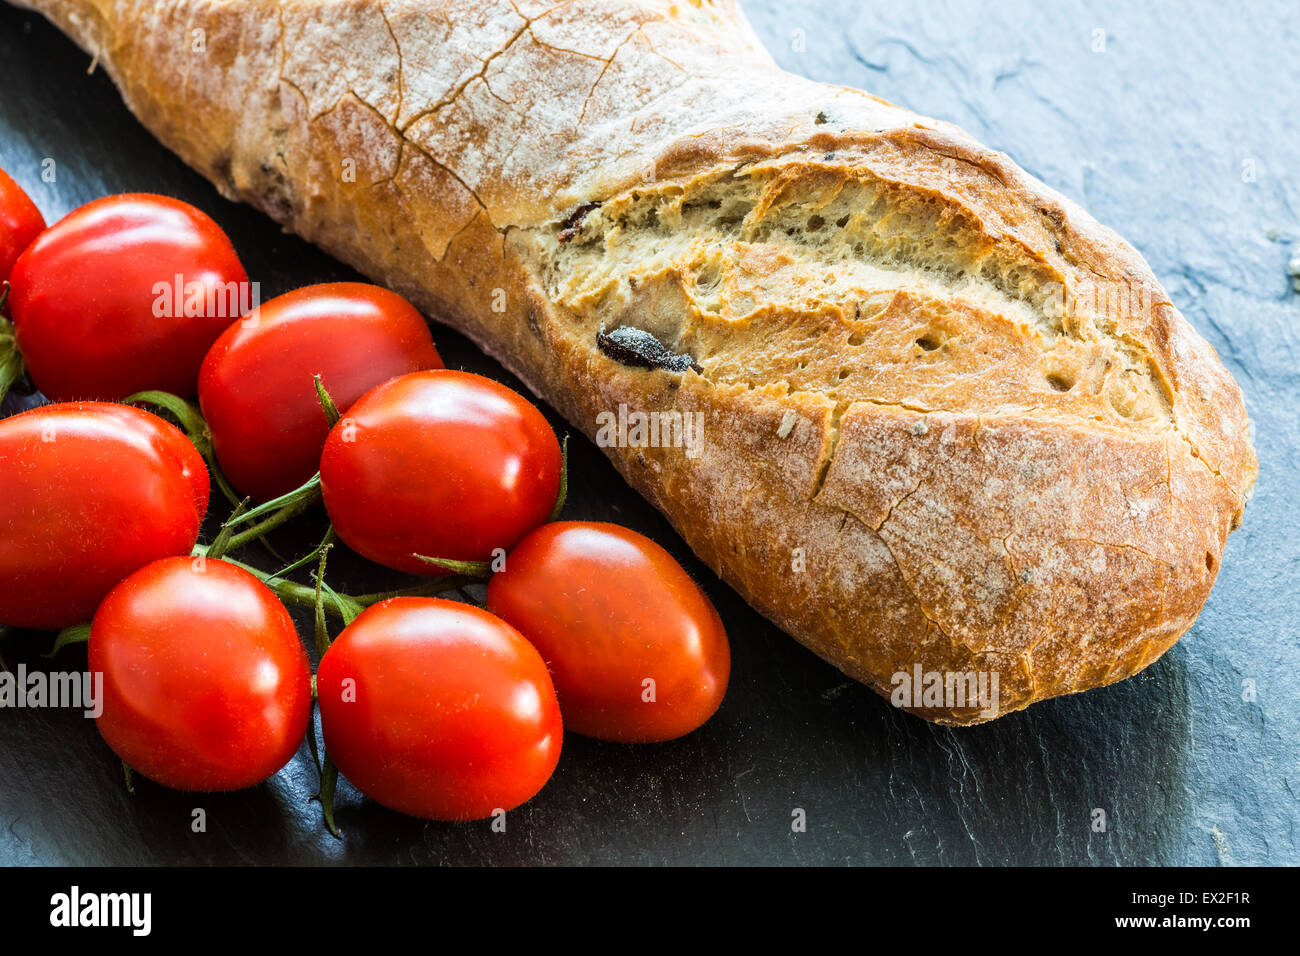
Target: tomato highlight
(439, 710)
(122, 295)
(636, 649)
(206, 684)
(442, 463)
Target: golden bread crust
(948, 419)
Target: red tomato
(20, 223)
(445, 464)
(89, 492)
(438, 709)
(94, 298)
(256, 383)
(206, 685)
(637, 650)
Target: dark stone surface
(1181, 134)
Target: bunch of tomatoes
(333, 393)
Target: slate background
(1156, 134)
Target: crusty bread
(950, 423)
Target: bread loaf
(947, 423)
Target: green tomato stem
(428, 589)
(73, 634)
(300, 595)
(190, 418)
(219, 547)
(300, 498)
(290, 511)
(196, 430)
(326, 402)
(12, 366)
(564, 480)
(469, 569)
(322, 629)
(329, 779)
(310, 556)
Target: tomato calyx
(12, 367)
(73, 634)
(326, 402)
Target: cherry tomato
(637, 651)
(206, 685)
(438, 710)
(256, 383)
(95, 304)
(20, 223)
(89, 492)
(442, 463)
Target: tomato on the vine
(20, 223)
(89, 492)
(636, 649)
(125, 294)
(255, 386)
(206, 684)
(444, 464)
(438, 709)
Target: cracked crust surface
(949, 420)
